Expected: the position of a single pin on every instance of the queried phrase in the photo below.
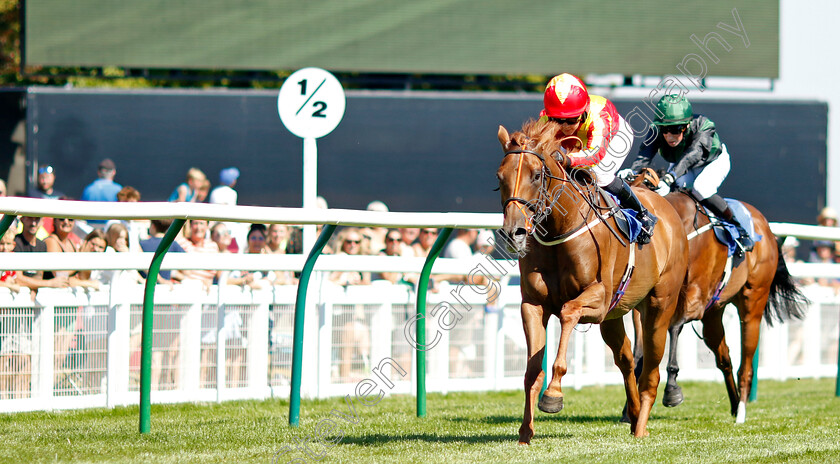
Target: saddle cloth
(624, 218)
(727, 234)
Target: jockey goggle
(568, 121)
(674, 129)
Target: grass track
(794, 421)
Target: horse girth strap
(625, 279)
(727, 273)
(696, 232)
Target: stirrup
(744, 240)
(648, 223)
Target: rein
(541, 207)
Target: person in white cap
(224, 194)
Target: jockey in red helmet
(596, 122)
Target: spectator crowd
(68, 235)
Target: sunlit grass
(793, 421)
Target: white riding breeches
(706, 180)
(617, 150)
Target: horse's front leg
(534, 321)
(591, 299)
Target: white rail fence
(73, 348)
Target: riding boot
(717, 205)
(628, 199)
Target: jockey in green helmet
(699, 161)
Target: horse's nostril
(520, 231)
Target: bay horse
(572, 264)
(759, 285)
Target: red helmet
(565, 97)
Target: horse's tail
(786, 301)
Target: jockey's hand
(626, 174)
(665, 184)
(563, 160)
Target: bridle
(541, 207)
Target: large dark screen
(414, 151)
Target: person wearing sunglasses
(595, 121)
(699, 161)
(350, 243)
(44, 186)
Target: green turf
(793, 421)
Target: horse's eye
(537, 176)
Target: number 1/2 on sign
(320, 106)
(311, 103)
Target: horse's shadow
(513, 421)
(379, 438)
(509, 419)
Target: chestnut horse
(572, 263)
(760, 284)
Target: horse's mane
(536, 134)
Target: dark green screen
(498, 37)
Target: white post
(323, 372)
(190, 346)
(491, 351)
(42, 380)
(256, 353)
(310, 188)
(381, 325)
(119, 341)
(221, 348)
(811, 342)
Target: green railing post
(148, 324)
(422, 286)
(7, 221)
(300, 311)
(754, 384)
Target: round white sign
(311, 103)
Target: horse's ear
(504, 137)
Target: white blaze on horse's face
(520, 177)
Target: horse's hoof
(625, 418)
(741, 416)
(550, 404)
(673, 396)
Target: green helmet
(672, 110)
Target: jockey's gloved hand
(626, 174)
(566, 162)
(665, 184)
